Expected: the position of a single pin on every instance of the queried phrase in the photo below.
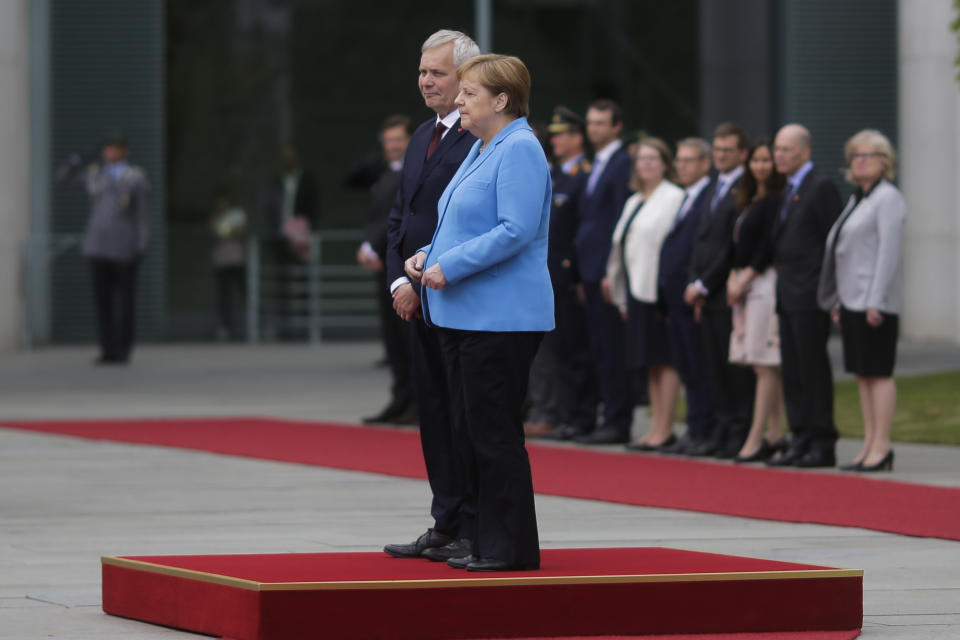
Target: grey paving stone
(65, 502)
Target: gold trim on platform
(202, 576)
(528, 580)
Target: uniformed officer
(566, 372)
(115, 242)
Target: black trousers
(487, 373)
(114, 294)
(230, 287)
(396, 342)
(563, 368)
(732, 387)
(686, 345)
(807, 378)
(452, 512)
(607, 348)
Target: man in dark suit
(605, 193)
(434, 154)
(731, 387)
(810, 207)
(564, 355)
(686, 341)
(380, 173)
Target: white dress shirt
(600, 160)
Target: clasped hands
(432, 277)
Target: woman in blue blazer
(487, 289)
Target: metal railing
(329, 292)
(329, 295)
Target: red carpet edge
(626, 478)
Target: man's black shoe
(416, 548)
(604, 435)
(817, 458)
(729, 450)
(680, 447)
(408, 417)
(461, 563)
(387, 415)
(788, 458)
(492, 564)
(564, 432)
(456, 549)
(703, 448)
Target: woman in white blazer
(631, 283)
(860, 285)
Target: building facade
(70, 71)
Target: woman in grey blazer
(860, 285)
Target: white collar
(694, 190)
(450, 119)
(730, 176)
(603, 155)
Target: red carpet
(654, 481)
(370, 596)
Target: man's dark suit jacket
(377, 176)
(713, 245)
(599, 212)
(564, 220)
(306, 202)
(413, 218)
(677, 250)
(800, 240)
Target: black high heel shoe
(765, 452)
(853, 466)
(884, 465)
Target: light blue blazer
(491, 239)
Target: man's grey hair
(464, 47)
(699, 144)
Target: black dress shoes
(387, 415)
(678, 447)
(408, 417)
(604, 435)
(703, 449)
(416, 548)
(462, 562)
(817, 458)
(492, 564)
(788, 458)
(564, 432)
(643, 446)
(456, 549)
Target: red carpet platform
(577, 592)
(646, 480)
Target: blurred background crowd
(246, 114)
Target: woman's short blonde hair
(875, 142)
(501, 74)
(666, 156)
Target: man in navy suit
(434, 154)
(686, 341)
(731, 386)
(563, 367)
(605, 193)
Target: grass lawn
(928, 409)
